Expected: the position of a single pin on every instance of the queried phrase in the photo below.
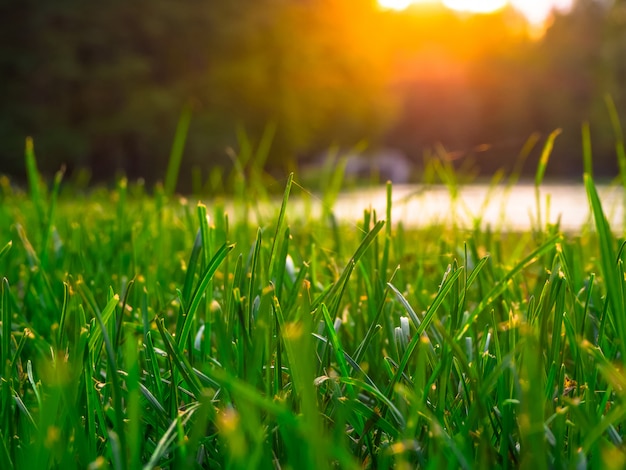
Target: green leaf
(502, 284)
(5, 249)
(446, 285)
(176, 154)
(215, 262)
(608, 263)
(179, 360)
(545, 156)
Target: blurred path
(512, 209)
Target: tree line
(102, 87)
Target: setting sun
(475, 6)
(535, 11)
(395, 4)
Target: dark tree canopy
(102, 86)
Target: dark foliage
(102, 86)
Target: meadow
(143, 329)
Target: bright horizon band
(535, 11)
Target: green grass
(146, 330)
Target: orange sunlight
(475, 6)
(537, 12)
(398, 5)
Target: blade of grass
(541, 170)
(179, 360)
(281, 263)
(608, 263)
(43, 256)
(405, 303)
(215, 262)
(34, 179)
(260, 158)
(176, 154)
(97, 334)
(279, 231)
(336, 344)
(5, 457)
(5, 359)
(500, 286)
(119, 436)
(545, 156)
(5, 249)
(204, 234)
(333, 296)
(384, 264)
(134, 436)
(169, 437)
(399, 420)
(619, 137)
(531, 420)
(587, 152)
(192, 266)
(252, 282)
(619, 146)
(443, 291)
(374, 327)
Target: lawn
(144, 329)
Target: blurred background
(101, 87)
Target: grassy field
(149, 330)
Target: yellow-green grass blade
(196, 298)
(280, 273)
(540, 173)
(5, 249)
(280, 228)
(133, 428)
(502, 284)
(374, 327)
(176, 154)
(192, 266)
(446, 286)
(205, 234)
(49, 228)
(117, 435)
(153, 369)
(5, 457)
(405, 303)
(609, 264)
(614, 377)
(166, 442)
(545, 157)
(43, 292)
(6, 318)
(337, 347)
(384, 264)
(34, 179)
(619, 137)
(620, 149)
(255, 278)
(587, 151)
(333, 296)
(531, 418)
(94, 409)
(179, 360)
(97, 332)
(203, 416)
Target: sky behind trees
(103, 87)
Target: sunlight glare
(475, 6)
(398, 5)
(538, 10)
